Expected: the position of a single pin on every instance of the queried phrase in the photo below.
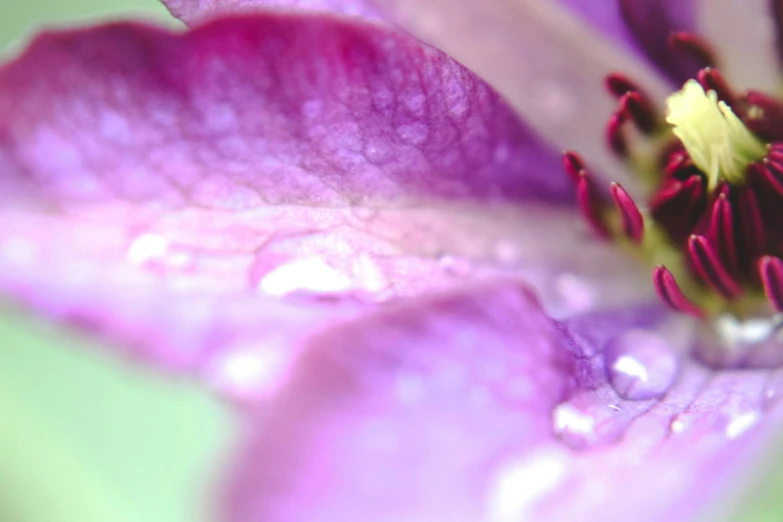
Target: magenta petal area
(276, 109)
(645, 25)
(190, 11)
(189, 196)
(474, 407)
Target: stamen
(710, 268)
(764, 116)
(771, 272)
(639, 110)
(715, 138)
(712, 80)
(619, 84)
(753, 233)
(669, 292)
(633, 223)
(721, 229)
(591, 204)
(770, 173)
(615, 136)
(694, 46)
(573, 164)
(678, 206)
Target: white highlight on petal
(147, 247)
(734, 332)
(631, 367)
(741, 424)
(677, 425)
(566, 418)
(521, 482)
(253, 372)
(309, 274)
(715, 138)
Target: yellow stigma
(715, 138)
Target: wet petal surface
(173, 193)
(473, 406)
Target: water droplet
(591, 418)
(147, 247)
(640, 365)
(753, 342)
(573, 425)
(520, 482)
(307, 274)
(741, 423)
(678, 424)
(249, 372)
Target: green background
(86, 437)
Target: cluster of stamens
(713, 226)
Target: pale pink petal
(743, 34)
(474, 407)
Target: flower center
(717, 141)
(712, 228)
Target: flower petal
(644, 25)
(173, 193)
(274, 108)
(547, 61)
(445, 410)
(743, 34)
(191, 11)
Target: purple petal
(646, 25)
(547, 61)
(743, 36)
(275, 108)
(475, 407)
(190, 11)
(167, 191)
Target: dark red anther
(591, 204)
(679, 205)
(633, 223)
(693, 46)
(677, 162)
(771, 274)
(640, 111)
(712, 80)
(669, 292)
(763, 115)
(710, 268)
(573, 164)
(769, 173)
(618, 84)
(721, 229)
(753, 238)
(615, 136)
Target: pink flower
(359, 244)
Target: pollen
(717, 141)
